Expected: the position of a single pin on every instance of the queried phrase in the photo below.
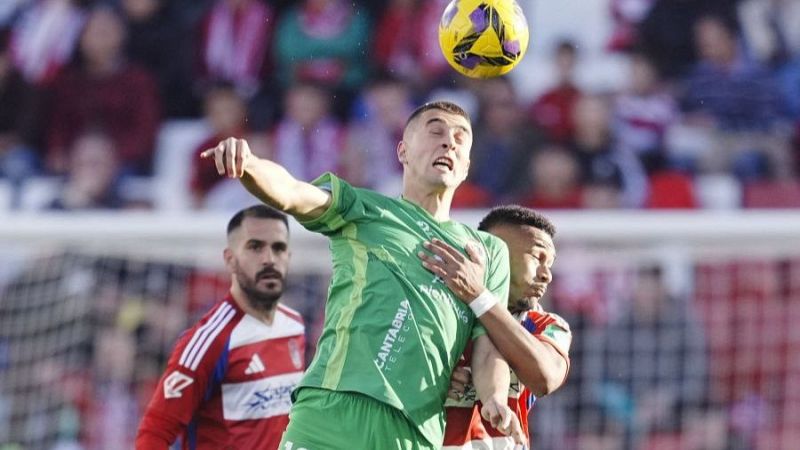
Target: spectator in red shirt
(406, 41)
(553, 110)
(104, 91)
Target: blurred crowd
(107, 105)
(708, 115)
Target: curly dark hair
(516, 215)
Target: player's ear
(401, 152)
(227, 255)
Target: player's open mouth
(443, 161)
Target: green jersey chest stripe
(336, 362)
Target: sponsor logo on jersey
(392, 336)
(443, 296)
(271, 398)
(259, 399)
(175, 383)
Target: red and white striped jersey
(465, 429)
(228, 383)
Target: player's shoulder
(540, 316)
(549, 326)
(207, 334)
(493, 244)
(216, 323)
(225, 308)
(489, 238)
(339, 187)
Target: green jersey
(394, 331)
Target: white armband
(483, 303)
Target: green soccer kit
(393, 331)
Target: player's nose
(543, 274)
(449, 140)
(268, 258)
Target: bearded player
(228, 382)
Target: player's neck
(266, 315)
(517, 311)
(437, 203)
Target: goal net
(684, 325)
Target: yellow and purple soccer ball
(483, 38)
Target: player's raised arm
(267, 180)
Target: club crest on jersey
(294, 354)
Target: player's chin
(450, 180)
(271, 291)
(270, 285)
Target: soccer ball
(483, 38)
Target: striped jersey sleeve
(188, 378)
(550, 328)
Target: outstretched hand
(231, 156)
(463, 274)
(503, 419)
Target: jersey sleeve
(556, 331)
(498, 276)
(194, 367)
(347, 205)
(552, 329)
